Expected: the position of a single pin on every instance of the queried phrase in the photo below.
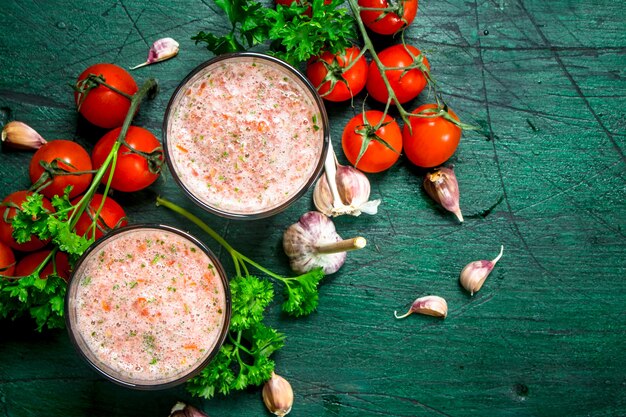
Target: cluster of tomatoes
(373, 141)
(62, 163)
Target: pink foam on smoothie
(244, 136)
(149, 306)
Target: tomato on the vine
(30, 262)
(405, 83)
(139, 159)
(7, 260)
(388, 22)
(369, 149)
(431, 141)
(111, 217)
(61, 158)
(329, 76)
(8, 211)
(100, 105)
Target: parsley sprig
(293, 33)
(244, 358)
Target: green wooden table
(545, 177)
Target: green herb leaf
(250, 296)
(301, 293)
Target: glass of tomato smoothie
(245, 135)
(148, 306)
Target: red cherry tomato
(388, 22)
(31, 261)
(405, 84)
(8, 212)
(132, 171)
(329, 76)
(7, 260)
(102, 106)
(432, 140)
(68, 157)
(377, 156)
(111, 216)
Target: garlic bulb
(278, 395)
(442, 186)
(349, 192)
(313, 242)
(18, 135)
(160, 50)
(475, 273)
(430, 305)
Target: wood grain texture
(544, 176)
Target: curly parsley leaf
(250, 296)
(292, 34)
(301, 293)
(242, 361)
(42, 299)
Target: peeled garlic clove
(181, 409)
(442, 186)
(160, 50)
(475, 273)
(18, 135)
(353, 190)
(430, 305)
(313, 242)
(278, 395)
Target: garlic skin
(442, 186)
(430, 305)
(181, 409)
(475, 273)
(313, 242)
(278, 395)
(18, 135)
(347, 194)
(160, 50)
(353, 189)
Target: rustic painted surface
(546, 336)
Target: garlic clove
(181, 409)
(160, 50)
(475, 273)
(18, 135)
(313, 242)
(278, 395)
(353, 192)
(430, 305)
(443, 187)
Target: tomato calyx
(368, 133)
(335, 72)
(154, 158)
(83, 87)
(52, 169)
(442, 110)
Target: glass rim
(107, 373)
(325, 138)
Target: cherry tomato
(132, 171)
(432, 140)
(111, 216)
(405, 84)
(327, 73)
(7, 260)
(388, 22)
(31, 261)
(377, 156)
(6, 229)
(102, 106)
(69, 157)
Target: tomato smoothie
(148, 306)
(245, 135)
